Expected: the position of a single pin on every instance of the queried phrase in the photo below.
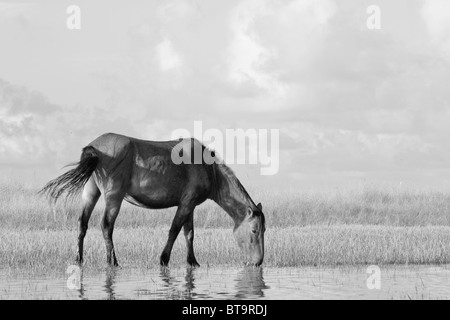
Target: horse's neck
(234, 208)
(232, 199)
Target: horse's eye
(254, 231)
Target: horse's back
(116, 146)
(158, 182)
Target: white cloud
(436, 14)
(310, 13)
(339, 149)
(270, 40)
(247, 56)
(177, 10)
(167, 57)
(10, 10)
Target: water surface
(396, 282)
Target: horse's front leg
(183, 213)
(189, 235)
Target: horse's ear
(259, 205)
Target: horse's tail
(73, 180)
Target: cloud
(246, 54)
(16, 100)
(350, 102)
(178, 11)
(310, 148)
(168, 58)
(10, 10)
(34, 131)
(436, 14)
(264, 33)
(21, 114)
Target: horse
(143, 173)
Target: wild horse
(144, 174)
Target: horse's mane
(221, 175)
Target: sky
(352, 104)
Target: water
(405, 282)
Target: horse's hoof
(114, 264)
(164, 260)
(193, 264)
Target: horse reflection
(167, 279)
(170, 285)
(81, 290)
(111, 274)
(190, 283)
(250, 283)
(174, 288)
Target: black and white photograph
(238, 151)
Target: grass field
(366, 225)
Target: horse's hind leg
(189, 236)
(90, 196)
(113, 203)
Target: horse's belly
(151, 201)
(151, 192)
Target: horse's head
(249, 235)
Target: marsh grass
(21, 207)
(367, 225)
(285, 247)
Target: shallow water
(396, 282)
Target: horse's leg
(181, 216)
(189, 235)
(113, 203)
(90, 196)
